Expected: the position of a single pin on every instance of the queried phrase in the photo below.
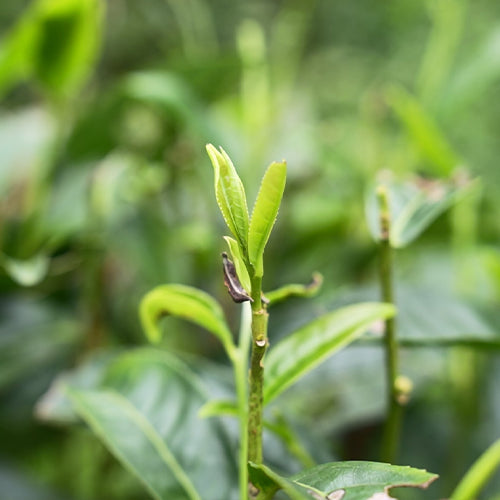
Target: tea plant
(159, 448)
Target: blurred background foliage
(106, 191)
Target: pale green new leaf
(239, 263)
(351, 480)
(298, 353)
(185, 302)
(134, 441)
(230, 194)
(265, 212)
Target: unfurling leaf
(184, 302)
(264, 213)
(230, 194)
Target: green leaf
(185, 302)
(304, 349)
(134, 441)
(265, 212)
(239, 263)
(351, 480)
(479, 474)
(145, 411)
(413, 208)
(230, 194)
(429, 316)
(425, 133)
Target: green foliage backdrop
(106, 192)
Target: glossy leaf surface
(265, 212)
(351, 480)
(135, 442)
(300, 352)
(230, 194)
(184, 302)
(145, 410)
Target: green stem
(392, 428)
(240, 363)
(479, 474)
(259, 347)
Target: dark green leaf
(342, 480)
(145, 410)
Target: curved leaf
(230, 194)
(304, 349)
(351, 480)
(479, 474)
(265, 212)
(185, 302)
